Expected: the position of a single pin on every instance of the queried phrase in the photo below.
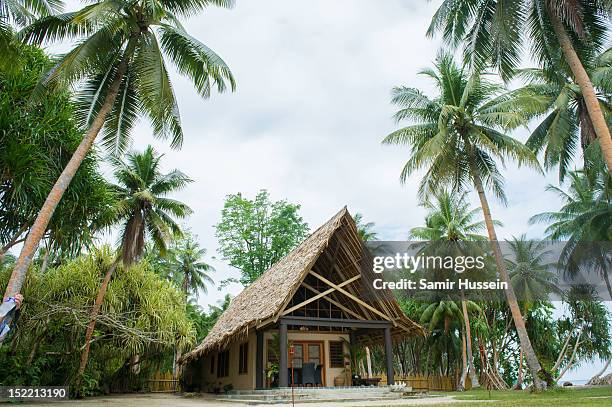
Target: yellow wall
(247, 381)
(238, 381)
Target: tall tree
(188, 267)
(566, 125)
(585, 222)
(457, 138)
(36, 141)
(119, 63)
(495, 31)
(255, 234)
(451, 219)
(144, 210)
(532, 279)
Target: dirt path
(167, 400)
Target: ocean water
(580, 382)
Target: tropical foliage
(255, 234)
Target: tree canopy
(255, 234)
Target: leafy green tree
(36, 141)
(567, 124)
(119, 62)
(496, 31)
(19, 13)
(144, 210)
(457, 138)
(365, 229)
(142, 314)
(255, 234)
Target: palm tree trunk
(46, 212)
(464, 364)
(593, 379)
(468, 336)
(532, 360)
(588, 92)
(519, 379)
(92, 323)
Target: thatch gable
(268, 296)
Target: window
(223, 364)
(212, 364)
(243, 359)
(336, 354)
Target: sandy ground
(168, 400)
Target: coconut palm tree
(451, 219)
(188, 268)
(531, 278)
(457, 138)
(530, 275)
(585, 221)
(496, 31)
(120, 64)
(566, 122)
(145, 211)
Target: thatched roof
(269, 294)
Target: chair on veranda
(318, 378)
(308, 374)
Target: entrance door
(308, 352)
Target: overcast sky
(306, 122)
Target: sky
(308, 116)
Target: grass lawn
(595, 396)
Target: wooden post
(283, 370)
(259, 361)
(389, 356)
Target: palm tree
(120, 64)
(567, 123)
(365, 229)
(494, 31)
(531, 278)
(187, 266)
(585, 221)
(144, 210)
(451, 219)
(457, 138)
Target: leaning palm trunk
(468, 337)
(464, 364)
(594, 379)
(588, 92)
(53, 199)
(519, 323)
(92, 323)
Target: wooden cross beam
(336, 303)
(320, 295)
(351, 296)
